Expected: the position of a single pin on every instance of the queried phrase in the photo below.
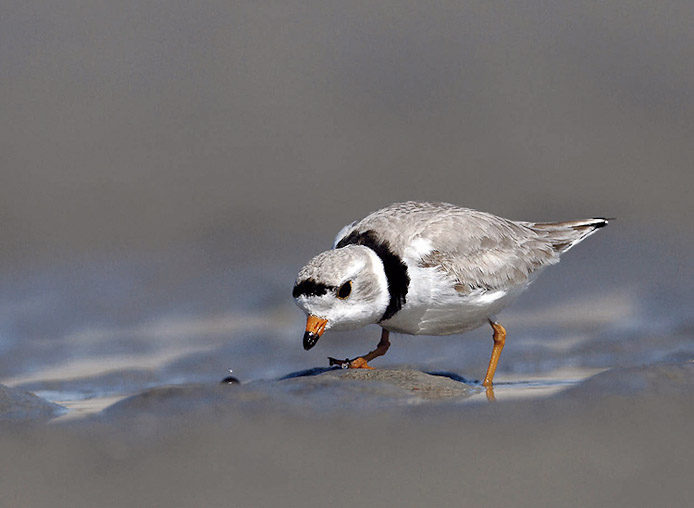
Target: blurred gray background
(141, 126)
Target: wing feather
(479, 250)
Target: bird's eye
(344, 290)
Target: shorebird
(428, 269)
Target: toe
(359, 363)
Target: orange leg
(499, 340)
(490, 393)
(361, 361)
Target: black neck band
(393, 265)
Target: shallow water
(88, 335)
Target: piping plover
(428, 269)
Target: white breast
(434, 307)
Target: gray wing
(478, 250)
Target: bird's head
(341, 289)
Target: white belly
(434, 307)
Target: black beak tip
(310, 340)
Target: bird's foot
(357, 363)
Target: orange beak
(315, 327)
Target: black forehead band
(309, 287)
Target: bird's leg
(490, 393)
(499, 340)
(381, 348)
(361, 362)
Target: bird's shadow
(315, 371)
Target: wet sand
(587, 446)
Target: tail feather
(564, 235)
